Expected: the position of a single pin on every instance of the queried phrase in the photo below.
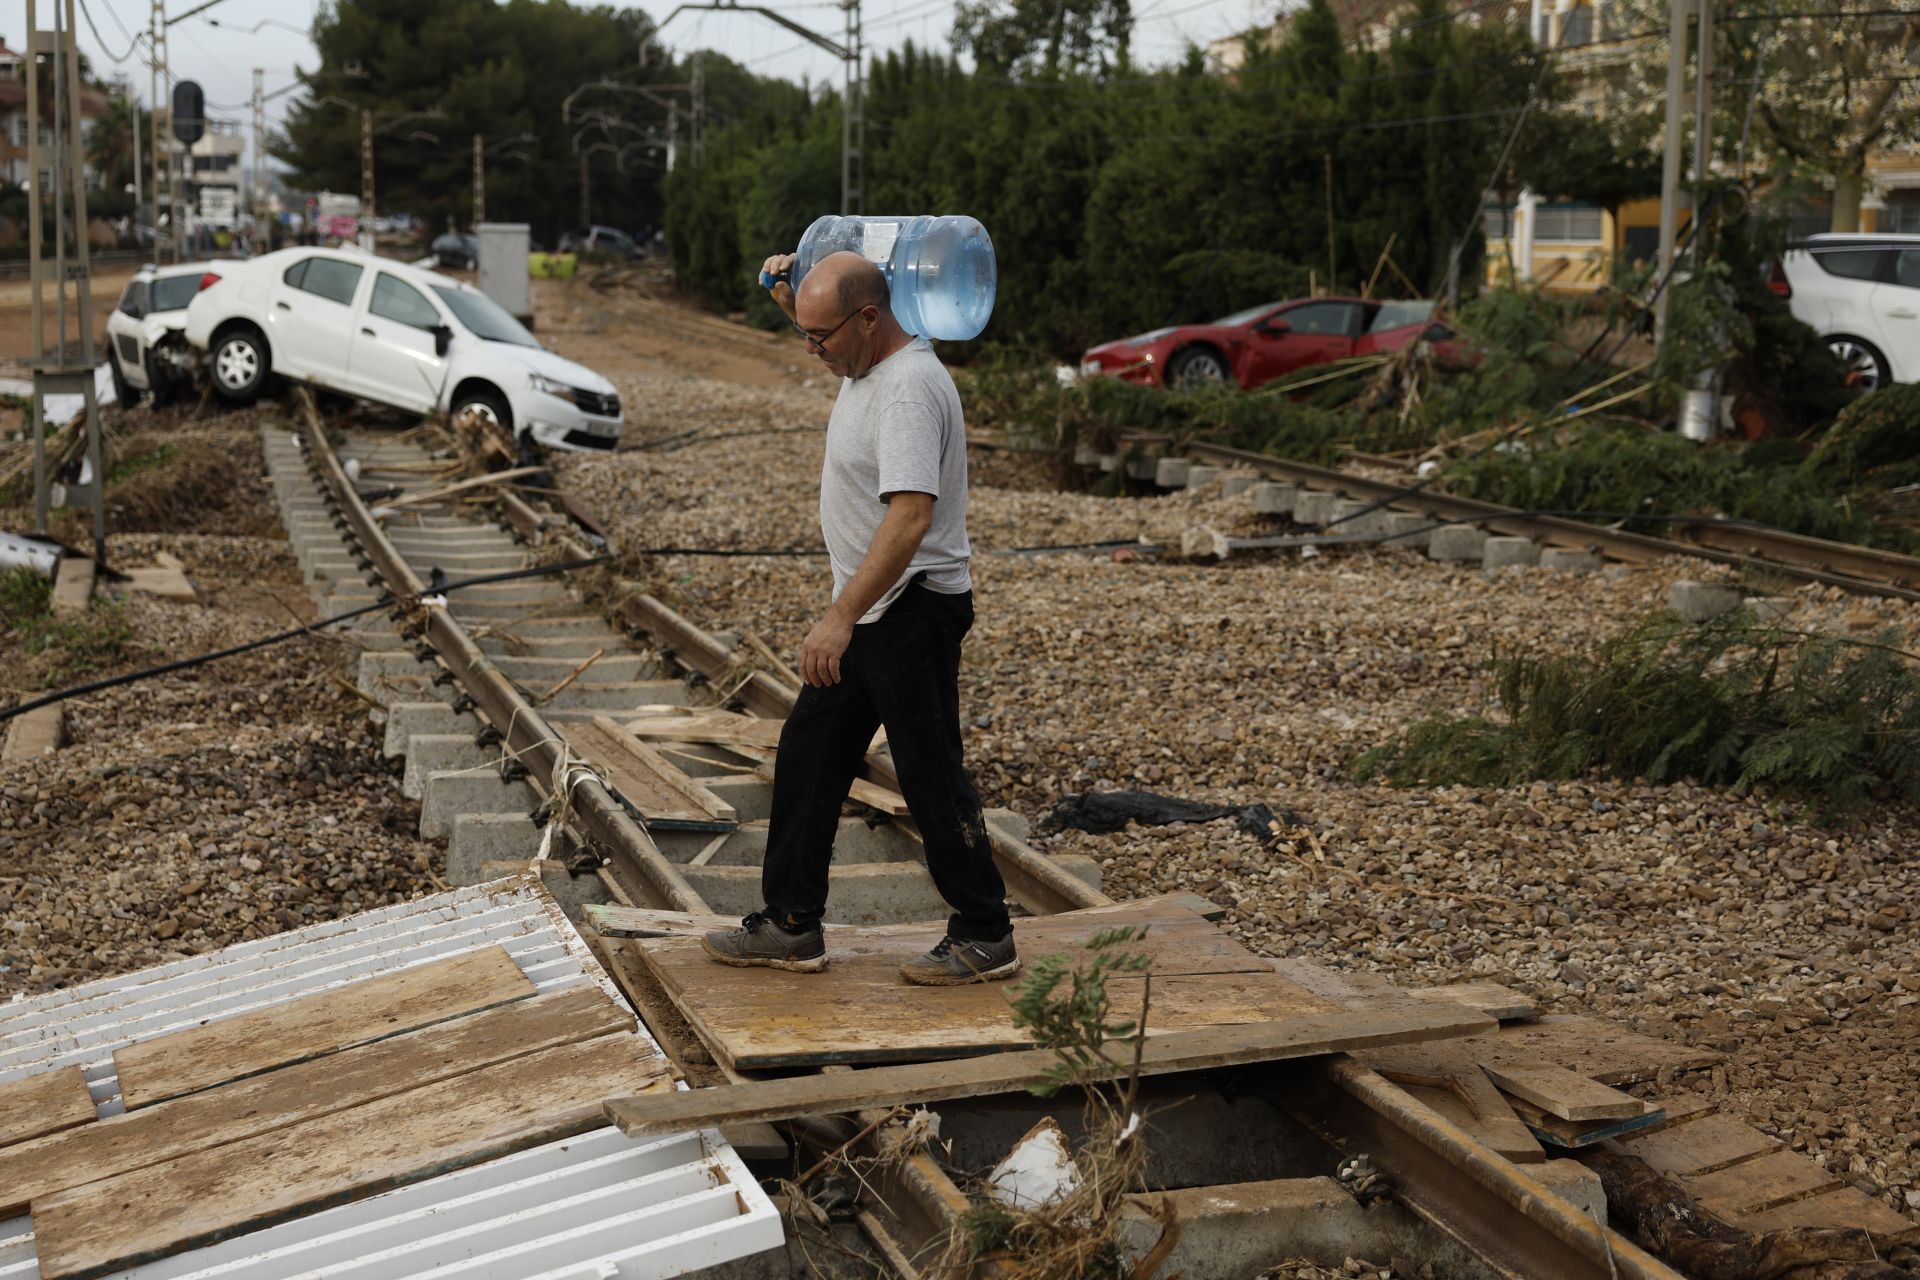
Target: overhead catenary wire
(132, 46)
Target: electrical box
(504, 274)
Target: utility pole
(1670, 159)
(479, 180)
(60, 366)
(136, 164)
(160, 118)
(1703, 106)
(1526, 209)
(853, 120)
(853, 125)
(366, 178)
(259, 183)
(699, 107)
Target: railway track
(1752, 548)
(494, 694)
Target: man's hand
(780, 264)
(820, 654)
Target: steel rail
(1616, 543)
(1446, 1177)
(525, 734)
(1519, 1227)
(917, 1192)
(1035, 881)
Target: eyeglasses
(817, 342)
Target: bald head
(844, 303)
(845, 282)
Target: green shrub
(1731, 702)
(1875, 440)
(1628, 471)
(25, 597)
(71, 649)
(62, 650)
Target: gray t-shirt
(897, 430)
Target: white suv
(386, 331)
(146, 341)
(1862, 294)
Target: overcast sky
(221, 47)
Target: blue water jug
(940, 271)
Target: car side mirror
(442, 339)
(1271, 327)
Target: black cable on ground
(728, 551)
(439, 585)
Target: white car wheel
(482, 413)
(1864, 367)
(240, 366)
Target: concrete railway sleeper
(455, 676)
(1364, 509)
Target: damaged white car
(397, 334)
(146, 334)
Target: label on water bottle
(876, 241)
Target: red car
(1262, 343)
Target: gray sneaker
(957, 961)
(759, 942)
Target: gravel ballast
(1692, 913)
(209, 806)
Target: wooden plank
(651, 785)
(1560, 1092)
(42, 1104)
(212, 1195)
(1503, 1135)
(646, 922)
(1334, 984)
(669, 773)
(302, 1092)
(1841, 1207)
(1574, 1134)
(1489, 998)
(358, 1013)
(1500, 1126)
(1699, 1146)
(859, 1010)
(720, 728)
(1391, 1019)
(1588, 1047)
(1764, 1182)
(1454, 1085)
(628, 777)
(871, 794)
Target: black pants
(901, 671)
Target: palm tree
(110, 144)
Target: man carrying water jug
(893, 509)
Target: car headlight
(558, 390)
